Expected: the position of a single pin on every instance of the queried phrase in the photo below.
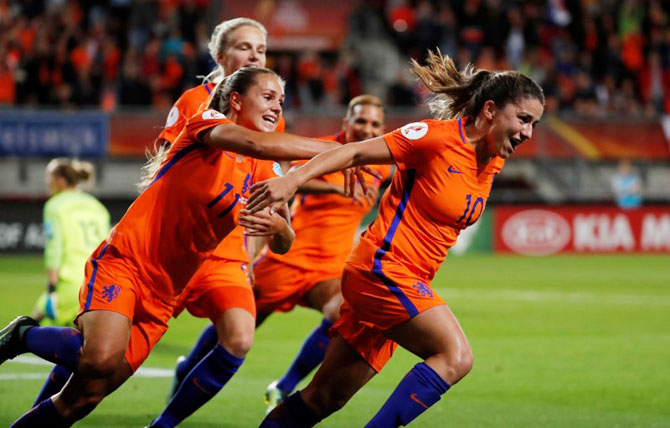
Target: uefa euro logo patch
(276, 168)
(110, 292)
(414, 130)
(423, 289)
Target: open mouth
(270, 119)
(515, 142)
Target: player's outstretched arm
(278, 191)
(263, 145)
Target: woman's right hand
(273, 193)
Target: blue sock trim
(227, 361)
(429, 376)
(60, 345)
(311, 354)
(417, 391)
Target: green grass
(569, 341)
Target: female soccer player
(220, 290)
(134, 276)
(445, 171)
(74, 223)
(325, 224)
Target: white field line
(555, 296)
(146, 372)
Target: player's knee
(459, 364)
(331, 310)
(99, 364)
(465, 361)
(83, 405)
(239, 344)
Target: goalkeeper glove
(52, 302)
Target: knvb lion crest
(423, 289)
(110, 292)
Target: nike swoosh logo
(197, 384)
(451, 169)
(414, 397)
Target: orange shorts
(112, 283)
(376, 300)
(279, 287)
(217, 286)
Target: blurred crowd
(592, 57)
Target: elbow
(281, 244)
(280, 247)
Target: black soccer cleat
(11, 337)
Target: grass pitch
(565, 341)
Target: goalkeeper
(74, 224)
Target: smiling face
(511, 125)
(366, 121)
(246, 46)
(260, 107)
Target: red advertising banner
(541, 230)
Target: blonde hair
(73, 171)
(155, 158)
(239, 82)
(219, 42)
(364, 100)
(463, 93)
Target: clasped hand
(276, 192)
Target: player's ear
(235, 101)
(489, 109)
(345, 121)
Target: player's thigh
(106, 337)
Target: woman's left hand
(273, 193)
(263, 223)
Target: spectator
(627, 187)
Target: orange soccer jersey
(231, 253)
(190, 206)
(438, 191)
(233, 248)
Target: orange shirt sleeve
(183, 109)
(176, 119)
(415, 144)
(202, 121)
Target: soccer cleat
(274, 396)
(175, 381)
(11, 338)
